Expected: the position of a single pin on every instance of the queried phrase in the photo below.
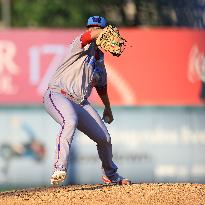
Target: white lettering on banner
(171, 170)
(36, 55)
(8, 67)
(187, 136)
(135, 138)
(196, 65)
(6, 85)
(158, 136)
(198, 170)
(34, 65)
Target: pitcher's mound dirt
(136, 194)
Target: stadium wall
(150, 144)
(156, 87)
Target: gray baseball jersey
(78, 73)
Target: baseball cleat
(58, 177)
(120, 181)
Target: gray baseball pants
(72, 116)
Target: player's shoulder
(76, 38)
(76, 43)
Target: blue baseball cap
(96, 21)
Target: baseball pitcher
(66, 99)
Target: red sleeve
(86, 38)
(101, 90)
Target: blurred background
(156, 88)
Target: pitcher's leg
(62, 110)
(91, 124)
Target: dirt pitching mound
(136, 194)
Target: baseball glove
(110, 40)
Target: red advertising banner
(158, 66)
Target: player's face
(94, 28)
